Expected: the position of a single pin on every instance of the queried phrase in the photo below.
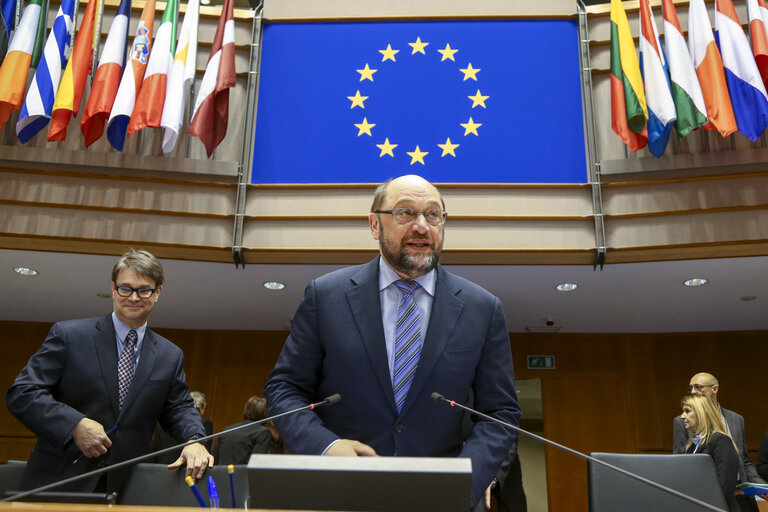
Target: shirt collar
(121, 330)
(387, 276)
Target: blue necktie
(407, 341)
(125, 366)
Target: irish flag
(628, 109)
(151, 98)
(686, 92)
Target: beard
(401, 261)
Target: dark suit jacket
(74, 375)
(237, 447)
(336, 345)
(747, 470)
(161, 440)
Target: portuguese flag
(628, 109)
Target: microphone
(437, 397)
(330, 400)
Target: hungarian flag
(658, 91)
(13, 72)
(73, 81)
(686, 92)
(151, 98)
(758, 30)
(36, 111)
(122, 108)
(709, 68)
(182, 75)
(748, 96)
(107, 79)
(628, 109)
(211, 112)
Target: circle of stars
(387, 147)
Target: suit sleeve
(295, 378)
(762, 457)
(679, 436)
(726, 463)
(32, 397)
(494, 393)
(749, 468)
(179, 416)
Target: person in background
(702, 420)
(237, 447)
(762, 457)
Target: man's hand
(488, 495)
(350, 448)
(90, 437)
(197, 459)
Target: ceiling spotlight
(274, 285)
(566, 287)
(696, 281)
(25, 271)
(749, 298)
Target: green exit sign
(541, 362)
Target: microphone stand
(328, 401)
(437, 397)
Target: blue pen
(83, 455)
(231, 471)
(191, 483)
(213, 494)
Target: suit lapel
(106, 350)
(365, 304)
(446, 310)
(143, 370)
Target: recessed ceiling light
(749, 298)
(103, 295)
(274, 285)
(25, 271)
(566, 287)
(696, 281)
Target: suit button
(398, 428)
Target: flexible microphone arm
(437, 397)
(328, 401)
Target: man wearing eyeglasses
(96, 388)
(389, 333)
(707, 384)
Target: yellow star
(418, 46)
(357, 100)
(470, 127)
(448, 147)
(417, 155)
(365, 127)
(447, 53)
(478, 99)
(386, 148)
(366, 73)
(388, 54)
(470, 72)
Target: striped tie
(125, 366)
(407, 341)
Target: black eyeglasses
(434, 217)
(699, 387)
(127, 291)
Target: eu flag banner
(453, 101)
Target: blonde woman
(702, 419)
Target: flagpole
(97, 39)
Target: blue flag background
(337, 105)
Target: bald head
(704, 384)
(408, 183)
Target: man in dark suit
(707, 384)
(97, 387)
(386, 343)
(237, 447)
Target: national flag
(42, 25)
(709, 68)
(107, 79)
(15, 67)
(7, 15)
(758, 31)
(658, 91)
(746, 88)
(122, 108)
(151, 98)
(211, 112)
(181, 76)
(686, 92)
(72, 84)
(628, 108)
(36, 110)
